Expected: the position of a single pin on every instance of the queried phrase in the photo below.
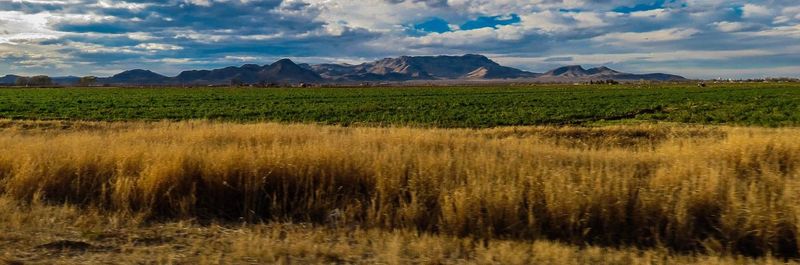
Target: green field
(771, 104)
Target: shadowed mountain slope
(468, 67)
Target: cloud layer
(705, 39)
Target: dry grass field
(41, 234)
(206, 192)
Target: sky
(694, 38)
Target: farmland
(775, 104)
(669, 174)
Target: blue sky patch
(490, 22)
(93, 28)
(648, 5)
(738, 11)
(437, 25)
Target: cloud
(727, 26)
(654, 13)
(242, 58)
(782, 31)
(622, 38)
(755, 11)
(158, 47)
(97, 36)
(17, 27)
(558, 59)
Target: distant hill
(468, 67)
(66, 80)
(578, 73)
(420, 68)
(286, 71)
(9, 79)
(282, 71)
(58, 80)
(136, 76)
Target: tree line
(39, 80)
(43, 80)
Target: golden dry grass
(46, 234)
(711, 189)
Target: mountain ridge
(468, 67)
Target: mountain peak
(432, 67)
(475, 56)
(602, 70)
(9, 79)
(572, 73)
(138, 73)
(251, 67)
(568, 71)
(403, 68)
(286, 71)
(284, 61)
(136, 76)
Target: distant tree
(23, 81)
(264, 83)
(87, 80)
(41, 80)
(236, 82)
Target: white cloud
(263, 36)
(611, 58)
(175, 60)
(120, 5)
(549, 21)
(659, 13)
(788, 14)
(782, 31)
(587, 19)
(726, 26)
(375, 15)
(158, 47)
(199, 2)
(17, 27)
(86, 47)
(781, 20)
(140, 36)
(755, 11)
(242, 58)
(199, 37)
(622, 38)
(458, 38)
(56, 2)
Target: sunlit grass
(707, 189)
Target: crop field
(627, 174)
(773, 104)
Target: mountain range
(12, 79)
(468, 67)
